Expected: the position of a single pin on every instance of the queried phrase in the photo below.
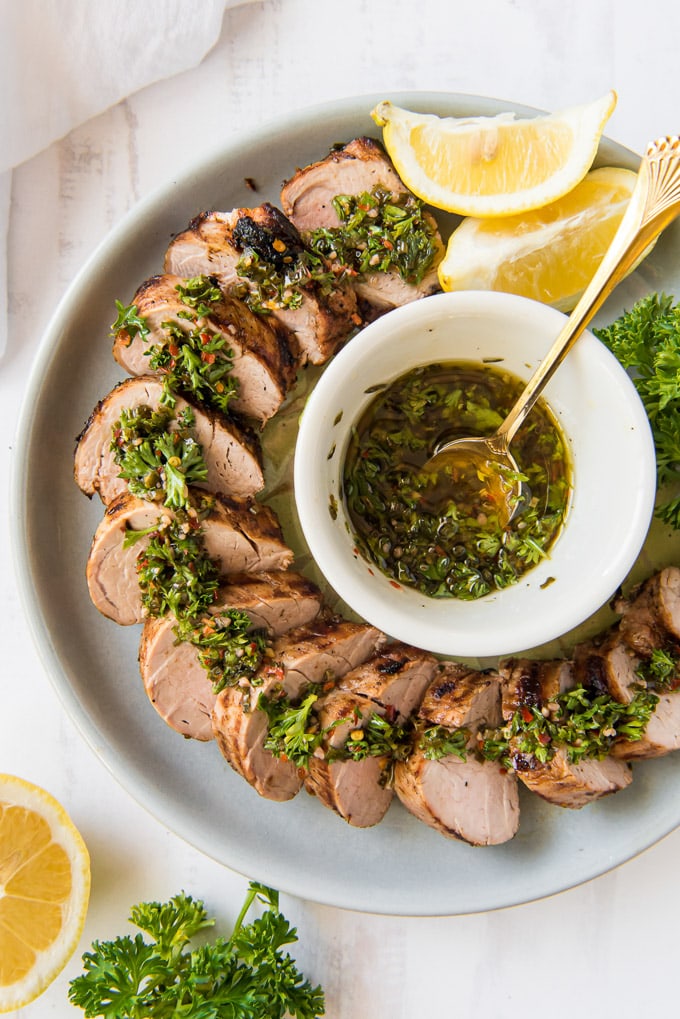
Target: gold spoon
(654, 203)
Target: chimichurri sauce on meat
(459, 547)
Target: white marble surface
(606, 948)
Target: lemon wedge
(549, 254)
(44, 890)
(493, 166)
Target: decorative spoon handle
(654, 203)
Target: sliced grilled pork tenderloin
(240, 539)
(394, 678)
(231, 455)
(535, 684)
(358, 167)
(608, 665)
(314, 654)
(358, 790)
(215, 242)
(390, 684)
(471, 800)
(650, 615)
(177, 684)
(262, 363)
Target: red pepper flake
(393, 583)
(543, 738)
(208, 358)
(527, 714)
(174, 349)
(205, 338)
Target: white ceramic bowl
(614, 473)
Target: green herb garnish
(228, 648)
(436, 741)
(199, 292)
(379, 231)
(174, 572)
(373, 737)
(646, 340)
(293, 730)
(197, 363)
(247, 976)
(158, 463)
(582, 723)
(129, 319)
(660, 670)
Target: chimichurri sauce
(458, 548)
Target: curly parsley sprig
(248, 976)
(646, 340)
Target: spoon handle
(654, 203)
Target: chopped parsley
(579, 721)
(380, 231)
(228, 648)
(200, 292)
(158, 463)
(196, 361)
(436, 741)
(373, 737)
(646, 340)
(293, 730)
(129, 319)
(660, 672)
(295, 733)
(175, 573)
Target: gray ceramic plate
(401, 866)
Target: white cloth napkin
(64, 61)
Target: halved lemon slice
(493, 166)
(549, 254)
(44, 890)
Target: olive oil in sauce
(461, 545)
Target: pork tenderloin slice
(361, 165)
(462, 698)
(566, 784)
(608, 665)
(177, 685)
(213, 244)
(231, 456)
(562, 782)
(326, 648)
(395, 678)
(471, 800)
(263, 365)
(650, 616)
(111, 569)
(240, 734)
(358, 167)
(358, 791)
(311, 654)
